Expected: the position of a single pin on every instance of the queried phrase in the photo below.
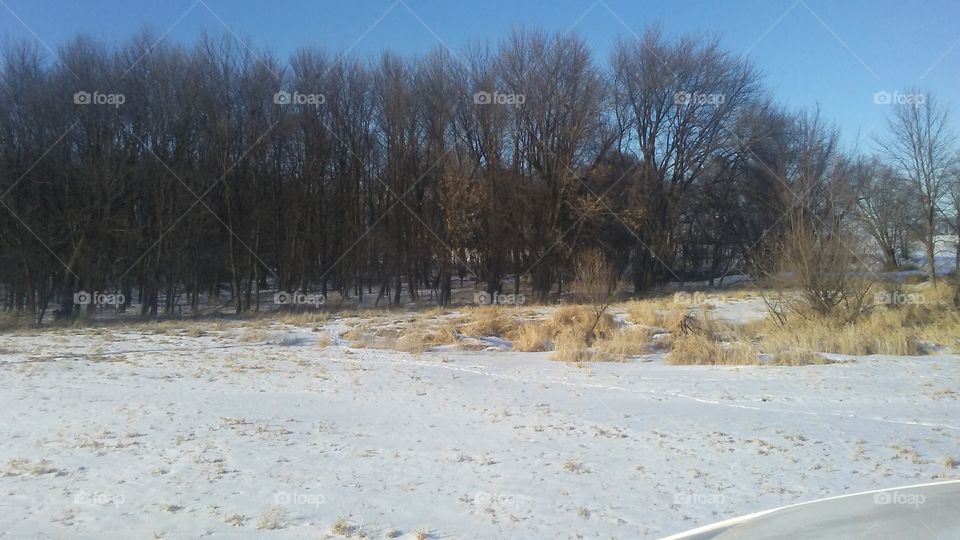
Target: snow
(131, 434)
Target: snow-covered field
(125, 433)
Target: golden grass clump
(302, 318)
(878, 333)
(570, 331)
(423, 337)
(490, 321)
(533, 336)
(656, 314)
(698, 349)
(579, 320)
(571, 347)
(626, 342)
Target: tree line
(175, 173)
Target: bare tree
(884, 207)
(921, 146)
(679, 100)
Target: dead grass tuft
(490, 321)
(252, 335)
(696, 348)
(662, 314)
(626, 342)
(533, 336)
(273, 518)
(571, 347)
(579, 320)
(342, 527)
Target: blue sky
(835, 53)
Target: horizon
(923, 55)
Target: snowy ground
(129, 434)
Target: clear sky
(835, 53)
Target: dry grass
(304, 318)
(273, 518)
(533, 336)
(876, 334)
(579, 320)
(571, 347)
(490, 321)
(700, 349)
(625, 342)
(341, 527)
(571, 333)
(413, 335)
(357, 333)
(26, 467)
(663, 314)
(899, 330)
(422, 337)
